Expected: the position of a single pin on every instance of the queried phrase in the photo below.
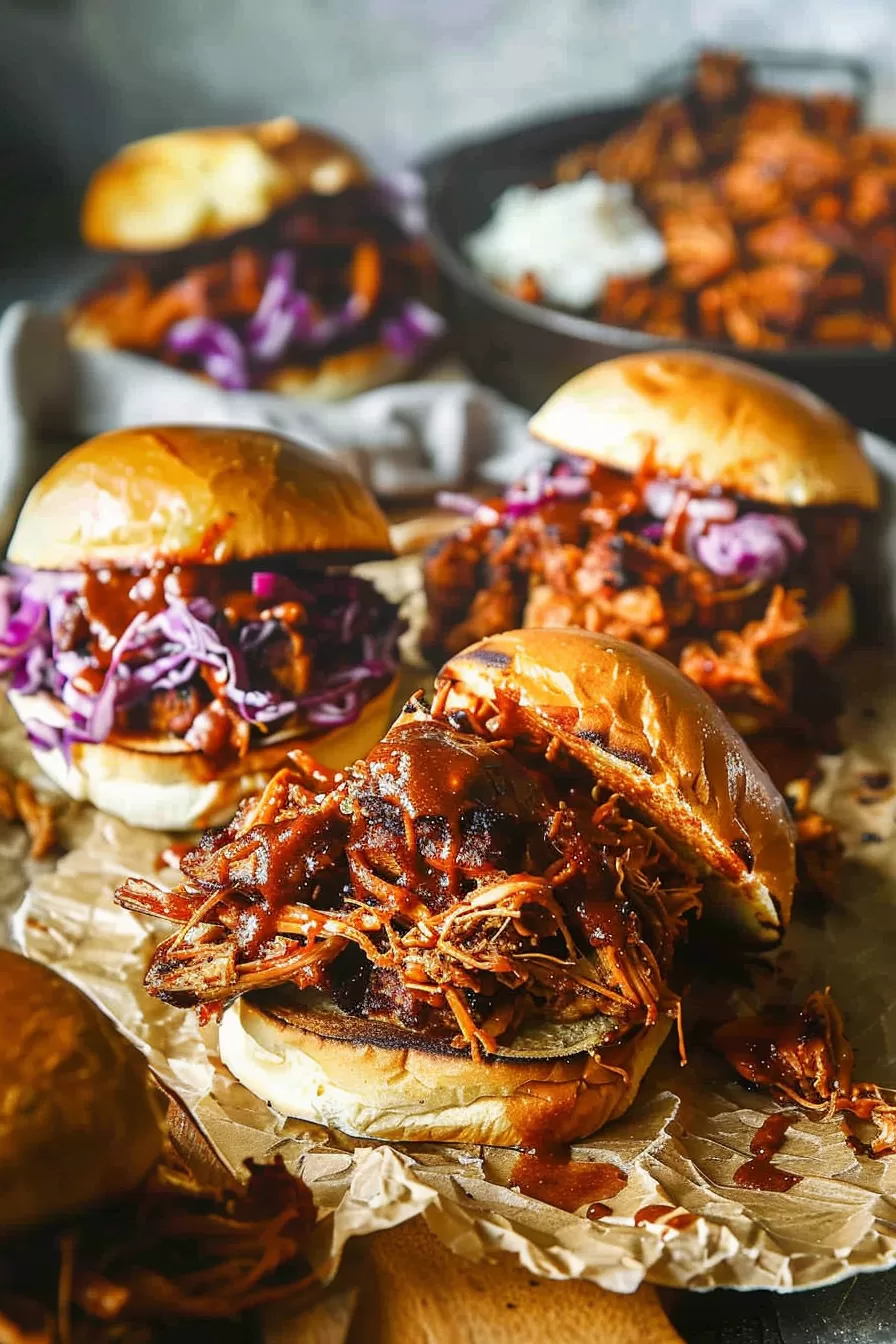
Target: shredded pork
(174, 1252)
(461, 880)
(604, 562)
(803, 1057)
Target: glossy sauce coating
(553, 1178)
(759, 1173)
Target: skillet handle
(811, 71)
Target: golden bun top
(712, 421)
(654, 737)
(181, 188)
(193, 495)
(78, 1125)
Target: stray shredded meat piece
(174, 1251)
(19, 802)
(802, 1056)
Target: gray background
(79, 77)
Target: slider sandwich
(179, 612)
(260, 256)
(695, 505)
(106, 1236)
(471, 934)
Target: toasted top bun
(181, 188)
(659, 741)
(713, 421)
(193, 495)
(77, 1122)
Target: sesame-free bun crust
(367, 1079)
(711, 421)
(658, 740)
(193, 495)
(163, 785)
(77, 1122)
(188, 186)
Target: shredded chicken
(744, 665)
(803, 1057)
(19, 802)
(603, 561)
(175, 1251)
(352, 257)
(777, 212)
(461, 879)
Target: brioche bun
(162, 784)
(172, 190)
(644, 732)
(713, 421)
(371, 1080)
(658, 740)
(194, 495)
(78, 1125)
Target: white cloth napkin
(403, 441)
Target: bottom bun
(371, 1081)
(343, 375)
(336, 376)
(165, 786)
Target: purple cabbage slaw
(748, 547)
(567, 478)
(351, 636)
(285, 316)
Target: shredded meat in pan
(778, 214)
(463, 879)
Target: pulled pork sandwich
(471, 933)
(256, 256)
(179, 612)
(104, 1234)
(697, 506)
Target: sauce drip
(759, 1173)
(550, 1176)
(653, 1213)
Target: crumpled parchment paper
(680, 1144)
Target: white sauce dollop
(572, 237)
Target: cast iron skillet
(526, 351)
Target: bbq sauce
(654, 1213)
(549, 1174)
(759, 1173)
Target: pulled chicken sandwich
(179, 609)
(695, 505)
(260, 256)
(471, 933)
